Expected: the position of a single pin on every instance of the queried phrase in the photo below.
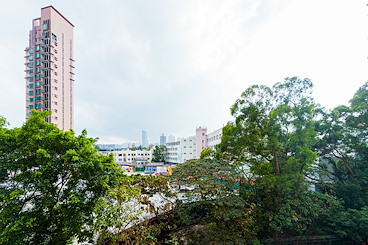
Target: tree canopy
(159, 153)
(273, 135)
(50, 183)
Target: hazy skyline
(170, 66)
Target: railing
(304, 240)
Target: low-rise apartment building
(214, 138)
(181, 150)
(185, 149)
(130, 156)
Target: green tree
(273, 136)
(208, 153)
(344, 151)
(354, 224)
(51, 182)
(159, 153)
(142, 218)
(210, 201)
(117, 210)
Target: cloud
(169, 66)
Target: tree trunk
(276, 162)
(275, 236)
(345, 161)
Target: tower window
(45, 24)
(54, 37)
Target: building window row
(216, 137)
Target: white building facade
(214, 138)
(185, 149)
(128, 156)
(181, 150)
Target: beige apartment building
(50, 68)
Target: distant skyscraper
(50, 67)
(171, 138)
(144, 139)
(162, 139)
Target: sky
(169, 66)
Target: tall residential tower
(144, 139)
(50, 67)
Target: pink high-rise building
(201, 141)
(50, 67)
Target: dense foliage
(273, 136)
(343, 167)
(211, 200)
(288, 143)
(51, 182)
(159, 153)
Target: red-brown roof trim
(58, 13)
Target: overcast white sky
(168, 66)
